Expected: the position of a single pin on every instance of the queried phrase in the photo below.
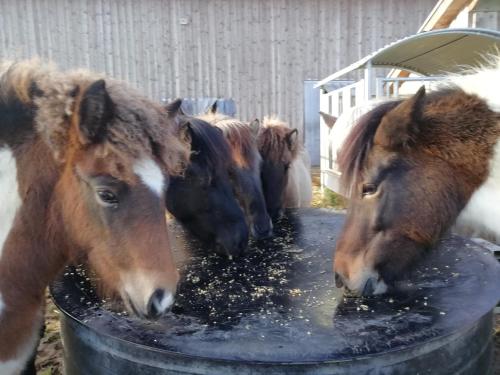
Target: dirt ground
(49, 359)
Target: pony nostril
(339, 283)
(159, 303)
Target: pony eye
(107, 198)
(369, 189)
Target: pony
(286, 179)
(84, 166)
(414, 167)
(242, 139)
(202, 199)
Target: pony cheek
(108, 274)
(394, 256)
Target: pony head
(279, 147)
(409, 168)
(242, 139)
(203, 198)
(112, 154)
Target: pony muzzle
(159, 303)
(364, 283)
(368, 286)
(261, 232)
(146, 297)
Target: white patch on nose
(380, 287)
(9, 193)
(357, 280)
(482, 212)
(150, 174)
(139, 286)
(165, 303)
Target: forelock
(139, 127)
(272, 141)
(353, 154)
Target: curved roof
(431, 53)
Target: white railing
(358, 94)
(391, 87)
(340, 100)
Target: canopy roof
(430, 53)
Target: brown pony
(412, 169)
(84, 165)
(286, 180)
(242, 138)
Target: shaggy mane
(272, 141)
(241, 138)
(139, 126)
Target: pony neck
(35, 248)
(481, 215)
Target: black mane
(208, 145)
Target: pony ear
(95, 111)
(185, 131)
(292, 139)
(401, 125)
(213, 108)
(255, 126)
(328, 119)
(174, 108)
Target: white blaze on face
(150, 174)
(9, 193)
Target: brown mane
(54, 94)
(272, 141)
(241, 138)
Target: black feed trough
(276, 311)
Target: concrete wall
(258, 52)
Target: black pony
(203, 199)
